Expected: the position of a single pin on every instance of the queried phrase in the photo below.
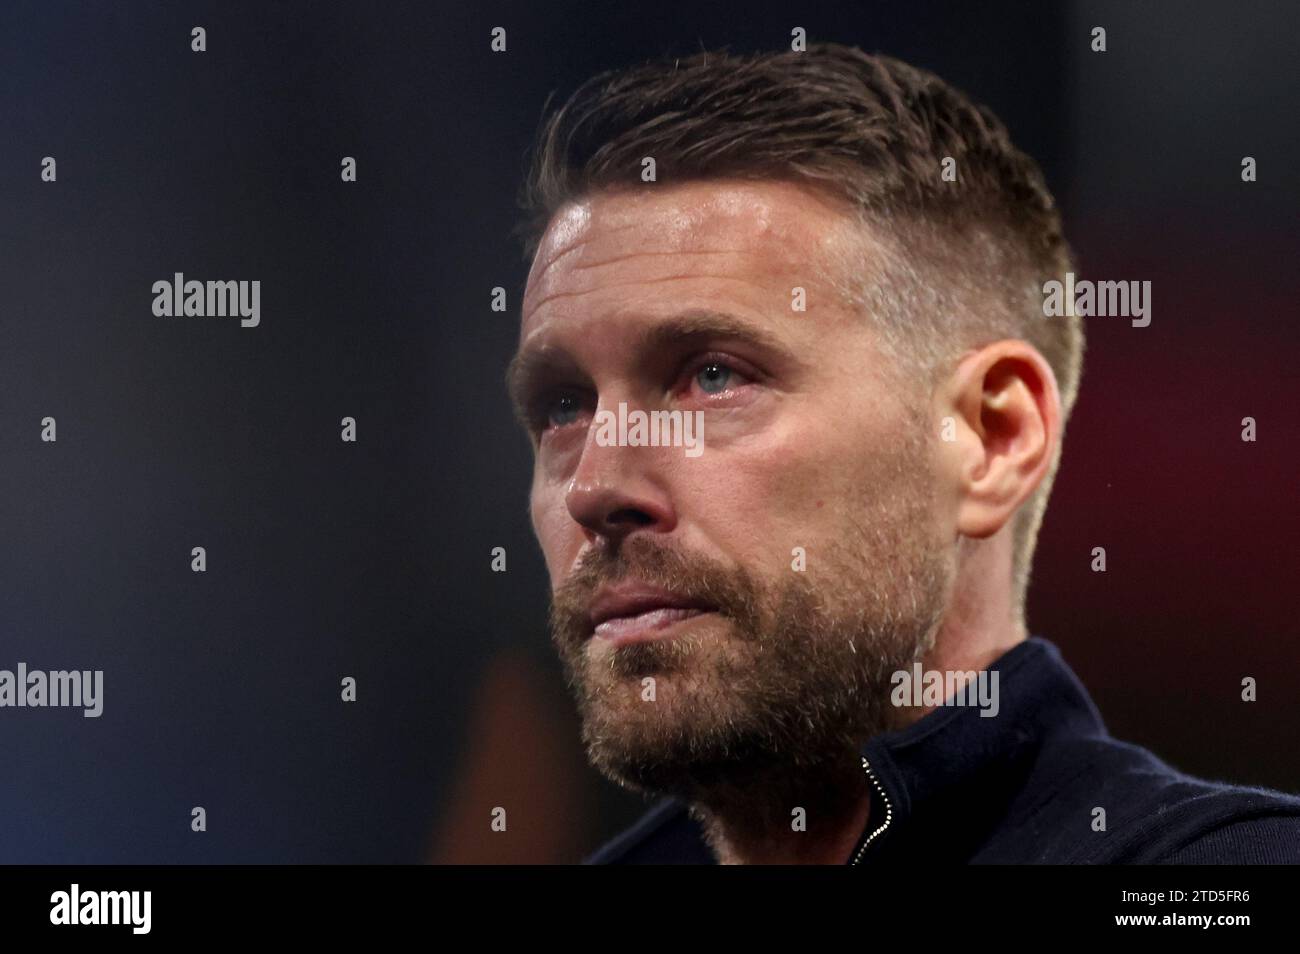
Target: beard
(785, 678)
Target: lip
(634, 611)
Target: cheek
(760, 500)
(555, 530)
(796, 486)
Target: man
(834, 263)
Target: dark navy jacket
(1022, 787)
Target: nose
(619, 490)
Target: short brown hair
(968, 258)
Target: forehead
(765, 237)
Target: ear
(1007, 411)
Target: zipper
(889, 813)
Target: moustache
(730, 591)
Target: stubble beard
(778, 689)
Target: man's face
(737, 612)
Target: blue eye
(713, 378)
(562, 411)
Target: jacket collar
(946, 780)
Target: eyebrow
(533, 363)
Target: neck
(807, 817)
(982, 622)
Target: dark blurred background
(372, 560)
